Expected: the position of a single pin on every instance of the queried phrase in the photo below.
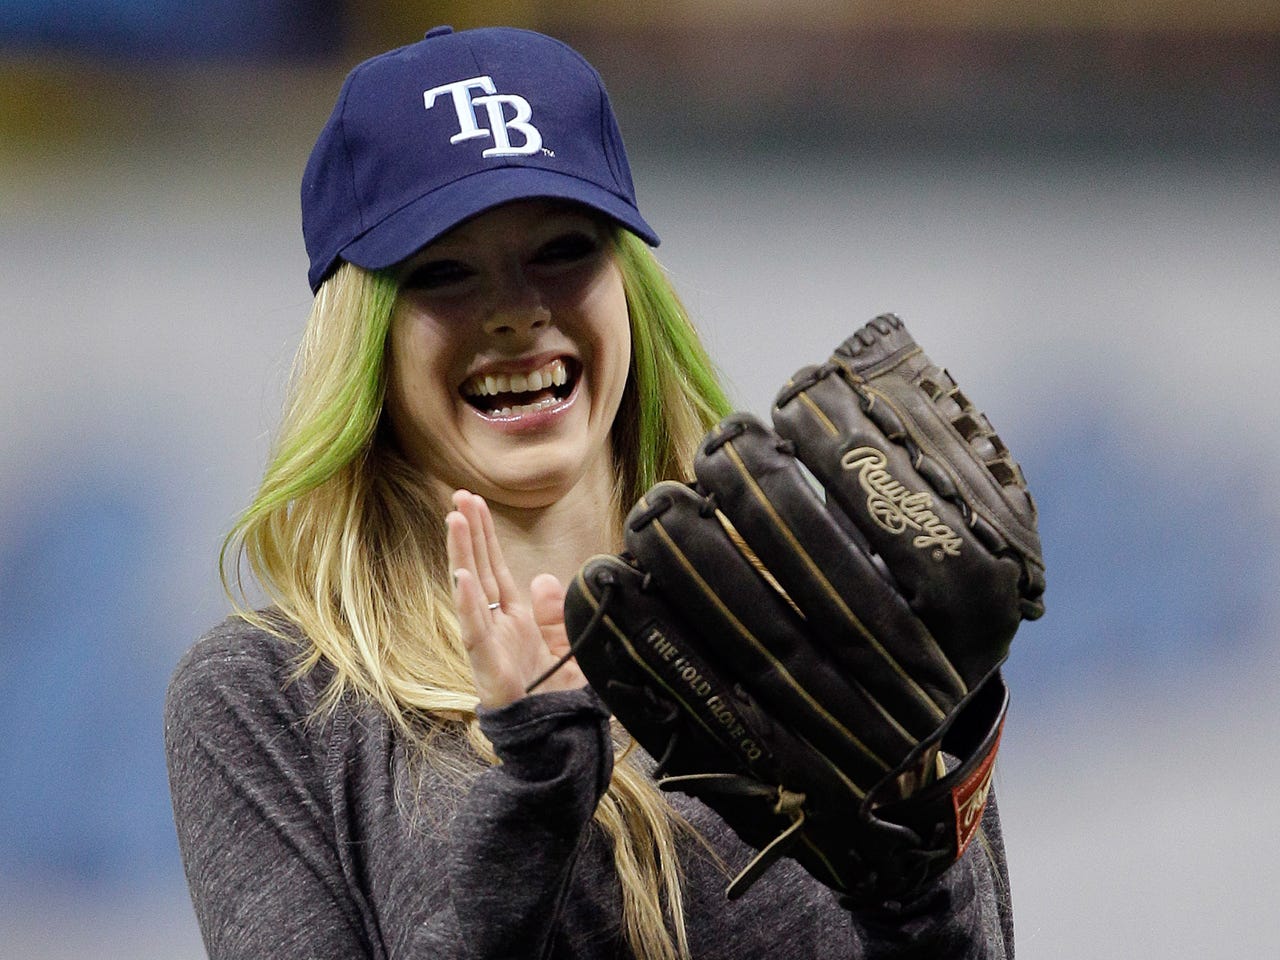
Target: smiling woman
(528, 288)
(495, 367)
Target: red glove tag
(970, 796)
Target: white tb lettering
(461, 93)
(499, 126)
(464, 105)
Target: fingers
(471, 507)
(512, 645)
(468, 595)
(484, 550)
(506, 583)
(491, 665)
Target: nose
(517, 306)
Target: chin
(541, 485)
(532, 499)
(541, 490)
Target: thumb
(547, 596)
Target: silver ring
(495, 605)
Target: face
(509, 350)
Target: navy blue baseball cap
(428, 135)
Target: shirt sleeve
(515, 839)
(272, 871)
(257, 840)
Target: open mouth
(517, 394)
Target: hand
(796, 657)
(510, 643)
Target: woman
(494, 369)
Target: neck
(557, 538)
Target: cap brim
(417, 224)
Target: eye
(436, 274)
(567, 249)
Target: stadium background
(1076, 206)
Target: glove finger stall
(646, 663)
(939, 419)
(851, 611)
(966, 595)
(747, 626)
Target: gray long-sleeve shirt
(321, 836)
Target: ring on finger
(495, 605)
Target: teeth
(553, 374)
(521, 409)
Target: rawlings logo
(897, 509)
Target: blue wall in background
(173, 29)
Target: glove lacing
(788, 803)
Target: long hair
(348, 544)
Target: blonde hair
(347, 543)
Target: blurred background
(1076, 206)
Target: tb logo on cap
(464, 102)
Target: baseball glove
(797, 655)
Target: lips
(515, 394)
